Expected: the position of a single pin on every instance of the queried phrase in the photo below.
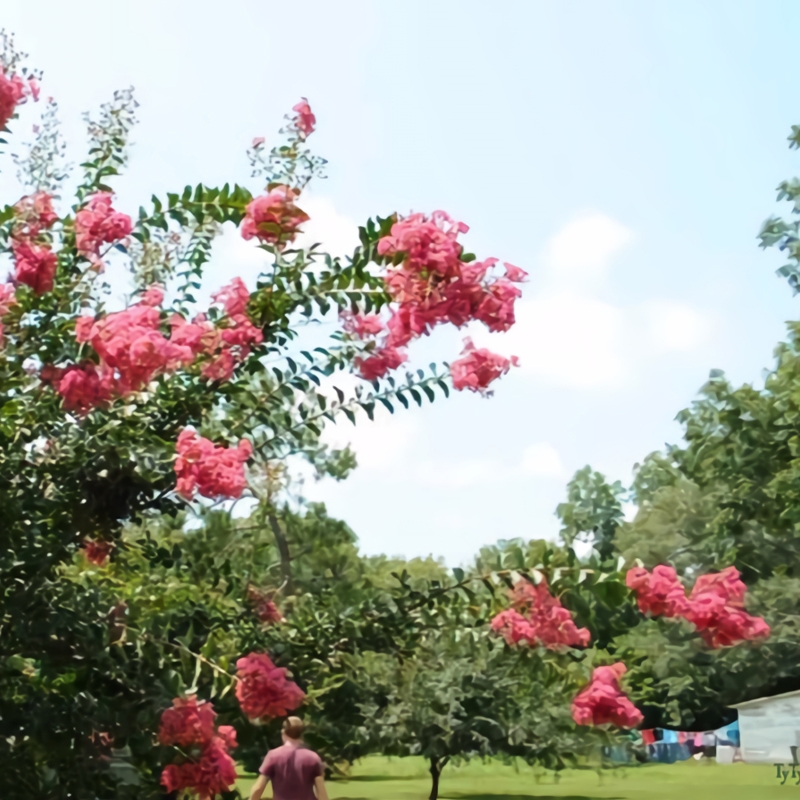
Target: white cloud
(674, 327)
(542, 460)
(337, 233)
(461, 474)
(584, 247)
(381, 444)
(568, 340)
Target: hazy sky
(624, 153)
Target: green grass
(406, 779)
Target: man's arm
(319, 785)
(259, 786)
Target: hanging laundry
(728, 735)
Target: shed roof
(762, 700)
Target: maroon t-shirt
(292, 769)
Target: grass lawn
(406, 779)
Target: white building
(769, 727)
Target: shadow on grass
(461, 796)
(370, 778)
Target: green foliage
(592, 512)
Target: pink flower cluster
(133, 349)
(538, 618)
(304, 119)
(209, 469)
(715, 606)
(660, 594)
(602, 702)
(273, 218)
(191, 726)
(430, 285)
(264, 606)
(34, 262)
(97, 552)
(35, 266)
(7, 299)
(478, 367)
(263, 689)
(33, 214)
(97, 223)
(14, 91)
(132, 352)
(238, 336)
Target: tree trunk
(436, 771)
(283, 551)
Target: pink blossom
(133, 349)
(305, 119)
(515, 274)
(83, 329)
(187, 723)
(726, 584)
(379, 362)
(242, 334)
(602, 702)
(34, 266)
(209, 469)
(514, 628)
(220, 367)
(362, 325)
(263, 605)
(12, 94)
(429, 285)
(233, 297)
(428, 244)
(97, 552)
(200, 335)
(715, 606)
(477, 368)
(538, 618)
(83, 388)
(237, 335)
(190, 725)
(97, 223)
(263, 690)
(153, 296)
(496, 309)
(212, 775)
(130, 342)
(258, 141)
(716, 609)
(34, 213)
(7, 298)
(273, 218)
(407, 322)
(660, 594)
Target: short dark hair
(293, 727)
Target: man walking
(295, 771)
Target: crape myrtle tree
(110, 417)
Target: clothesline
(727, 735)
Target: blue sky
(624, 153)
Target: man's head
(292, 729)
